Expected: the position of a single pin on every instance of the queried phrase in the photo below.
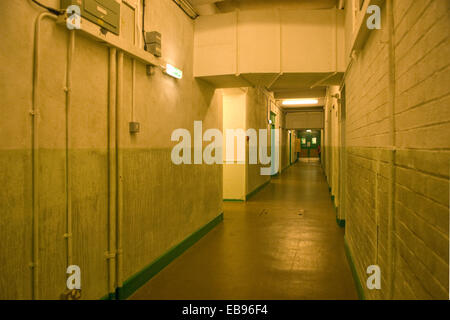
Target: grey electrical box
(105, 13)
(135, 127)
(153, 43)
(154, 49)
(153, 37)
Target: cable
(143, 24)
(52, 10)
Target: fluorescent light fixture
(308, 130)
(173, 72)
(296, 102)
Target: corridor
(224, 149)
(284, 243)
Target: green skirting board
(140, 278)
(358, 285)
(248, 196)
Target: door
(290, 148)
(309, 143)
(272, 139)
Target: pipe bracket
(110, 255)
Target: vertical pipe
(280, 21)
(237, 42)
(35, 159)
(343, 155)
(391, 191)
(133, 88)
(112, 169)
(119, 175)
(68, 89)
(335, 38)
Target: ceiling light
(296, 102)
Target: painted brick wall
(422, 121)
(422, 156)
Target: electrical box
(105, 13)
(153, 43)
(153, 37)
(135, 127)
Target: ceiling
(231, 5)
(283, 86)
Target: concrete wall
(305, 120)
(280, 121)
(234, 117)
(256, 118)
(162, 203)
(406, 121)
(244, 108)
(286, 162)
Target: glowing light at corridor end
(296, 102)
(173, 72)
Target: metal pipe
(349, 65)
(187, 8)
(237, 42)
(112, 169)
(34, 112)
(133, 88)
(119, 174)
(392, 160)
(68, 90)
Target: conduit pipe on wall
(119, 174)
(349, 65)
(68, 90)
(133, 88)
(392, 158)
(35, 158)
(112, 170)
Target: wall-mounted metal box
(154, 49)
(135, 127)
(105, 13)
(153, 43)
(153, 37)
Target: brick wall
(422, 129)
(422, 122)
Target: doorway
(310, 142)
